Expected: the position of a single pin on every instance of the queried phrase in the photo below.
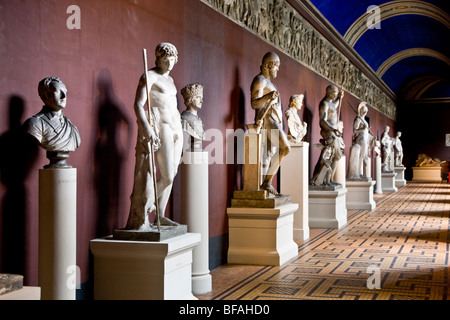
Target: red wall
(100, 65)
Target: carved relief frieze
(279, 24)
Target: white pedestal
(400, 177)
(327, 209)
(378, 184)
(57, 233)
(26, 293)
(432, 174)
(140, 270)
(388, 181)
(294, 182)
(360, 195)
(261, 236)
(195, 214)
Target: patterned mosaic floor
(402, 247)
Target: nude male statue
(265, 95)
(54, 131)
(166, 137)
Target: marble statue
(363, 141)
(266, 101)
(296, 128)
(54, 131)
(331, 130)
(424, 160)
(398, 150)
(388, 151)
(191, 122)
(160, 131)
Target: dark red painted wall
(100, 65)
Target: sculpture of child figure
(297, 128)
(323, 170)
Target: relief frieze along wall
(279, 24)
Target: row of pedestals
(177, 268)
(266, 236)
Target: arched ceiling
(406, 43)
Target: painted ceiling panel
(411, 40)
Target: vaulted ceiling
(406, 43)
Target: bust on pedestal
(195, 187)
(294, 170)
(57, 191)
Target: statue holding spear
(160, 141)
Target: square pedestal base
(388, 181)
(25, 293)
(261, 236)
(400, 177)
(432, 174)
(140, 270)
(327, 208)
(360, 195)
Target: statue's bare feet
(268, 187)
(167, 222)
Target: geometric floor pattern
(398, 251)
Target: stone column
(57, 233)
(195, 213)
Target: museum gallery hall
(225, 150)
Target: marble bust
(296, 128)
(191, 122)
(54, 131)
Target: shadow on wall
(110, 153)
(19, 153)
(236, 118)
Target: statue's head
(166, 55)
(296, 101)
(362, 109)
(332, 91)
(193, 95)
(53, 92)
(271, 63)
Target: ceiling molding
(408, 53)
(393, 9)
(312, 15)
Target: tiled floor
(398, 251)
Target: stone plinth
(432, 174)
(400, 177)
(195, 213)
(24, 293)
(294, 181)
(140, 270)
(261, 236)
(57, 233)
(378, 184)
(327, 208)
(388, 181)
(360, 194)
